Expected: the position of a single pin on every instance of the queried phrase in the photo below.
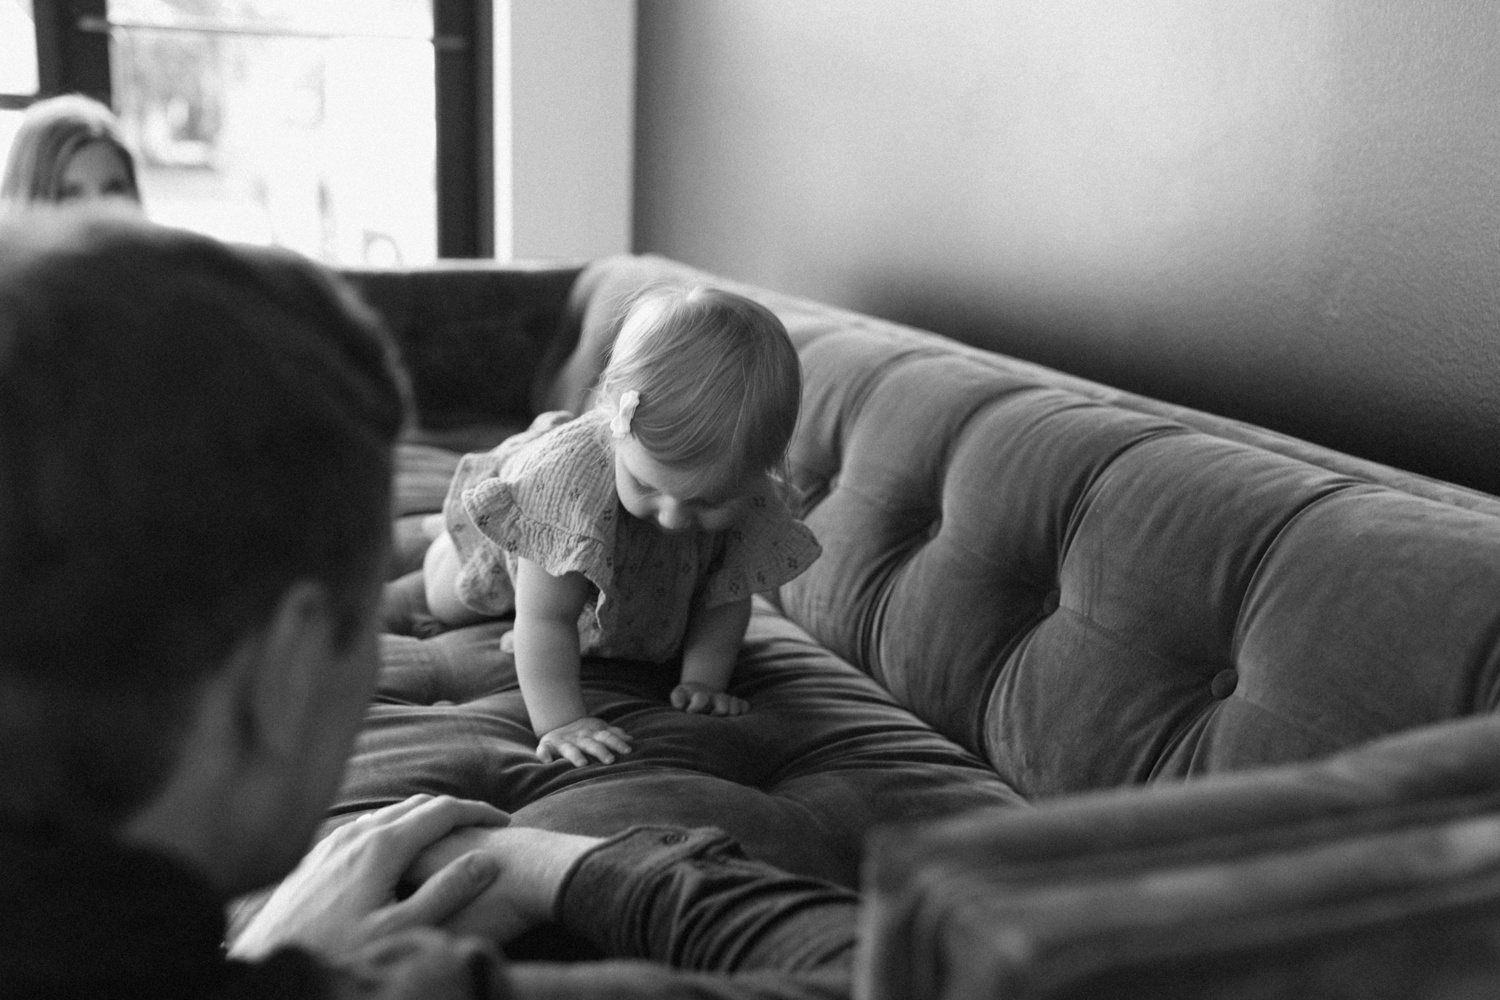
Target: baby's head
(704, 386)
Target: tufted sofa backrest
(475, 335)
(1091, 589)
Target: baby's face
(673, 499)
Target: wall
(564, 127)
(1282, 210)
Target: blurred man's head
(193, 439)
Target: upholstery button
(1224, 682)
(933, 529)
(674, 838)
(1050, 602)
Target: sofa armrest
(1378, 867)
(476, 335)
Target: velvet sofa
(1079, 690)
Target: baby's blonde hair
(719, 381)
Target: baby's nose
(672, 517)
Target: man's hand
(342, 896)
(580, 739)
(691, 696)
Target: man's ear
(286, 669)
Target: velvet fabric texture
(1090, 589)
(1373, 873)
(1032, 586)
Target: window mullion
(70, 57)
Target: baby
(640, 529)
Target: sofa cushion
(822, 756)
(1349, 877)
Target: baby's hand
(690, 696)
(588, 735)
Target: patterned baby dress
(548, 495)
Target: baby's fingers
(728, 704)
(549, 750)
(601, 742)
(616, 739)
(572, 754)
(692, 699)
(595, 748)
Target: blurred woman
(69, 148)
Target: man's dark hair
(186, 430)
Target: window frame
(72, 43)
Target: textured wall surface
(1280, 210)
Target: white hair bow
(619, 426)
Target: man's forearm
(690, 899)
(680, 913)
(534, 865)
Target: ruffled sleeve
(766, 549)
(549, 498)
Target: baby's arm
(440, 569)
(708, 654)
(546, 638)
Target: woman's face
(95, 170)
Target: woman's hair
(51, 132)
(718, 377)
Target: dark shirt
(101, 920)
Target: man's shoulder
(287, 972)
(86, 916)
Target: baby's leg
(403, 607)
(440, 569)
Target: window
(18, 67)
(320, 125)
(18, 70)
